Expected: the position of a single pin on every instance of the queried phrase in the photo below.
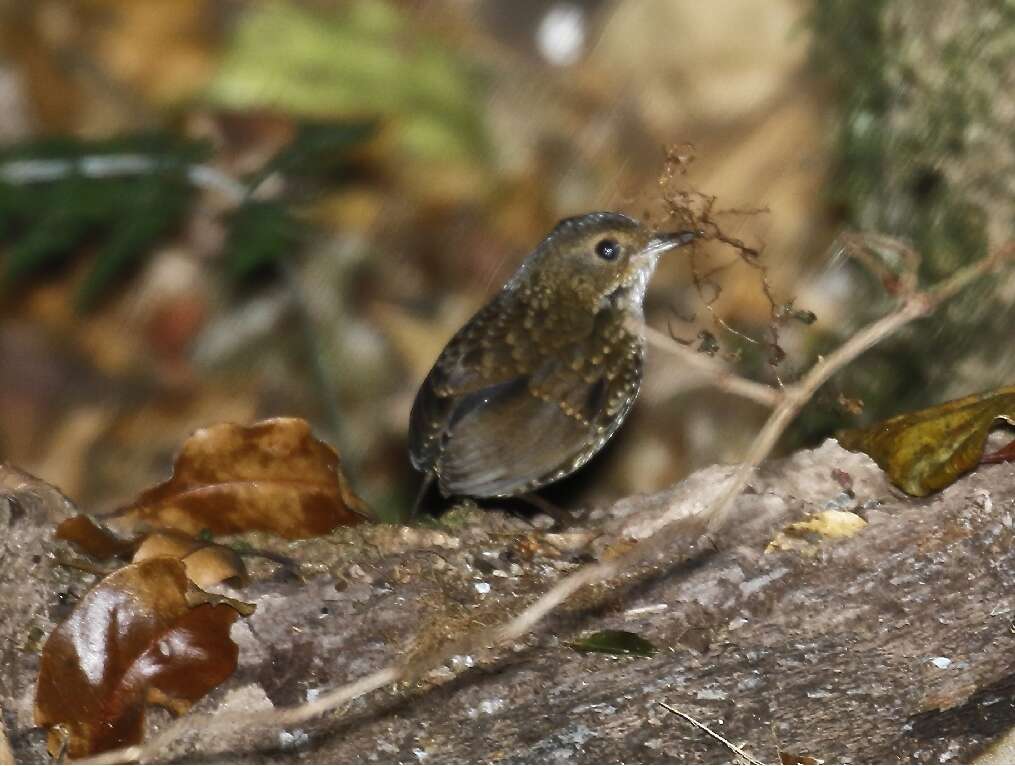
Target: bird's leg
(423, 489)
(561, 516)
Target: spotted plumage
(542, 376)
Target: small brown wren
(543, 375)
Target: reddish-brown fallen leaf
(93, 539)
(132, 640)
(927, 450)
(272, 476)
(207, 563)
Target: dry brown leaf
(272, 476)
(927, 450)
(206, 563)
(92, 538)
(132, 640)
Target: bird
(543, 375)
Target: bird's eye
(607, 249)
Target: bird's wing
(508, 434)
(502, 343)
(508, 442)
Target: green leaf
(57, 195)
(260, 235)
(619, 642)
(146, 219)
(54, 233)
(319, 148)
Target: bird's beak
(664, 241)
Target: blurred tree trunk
(926, 152)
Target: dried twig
(718, 374)
(698, 724)
(913, 305)
(673, 528)
(83, 566)
(874, 252)
(695, 209)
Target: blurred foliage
(478, 142)
(900, 121)
(367, 58)
(924, 154)
(48, 221)
(143, 193)
(260, 233)
(319, 149)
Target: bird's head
(589, 260)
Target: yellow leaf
(926, 450)
(834, 525)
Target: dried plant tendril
(692, 209)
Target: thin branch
(82, 566)
(795, 396)
(719, 374)
(698, 724)
(869, 249)
(674, 526)
(798, 394)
